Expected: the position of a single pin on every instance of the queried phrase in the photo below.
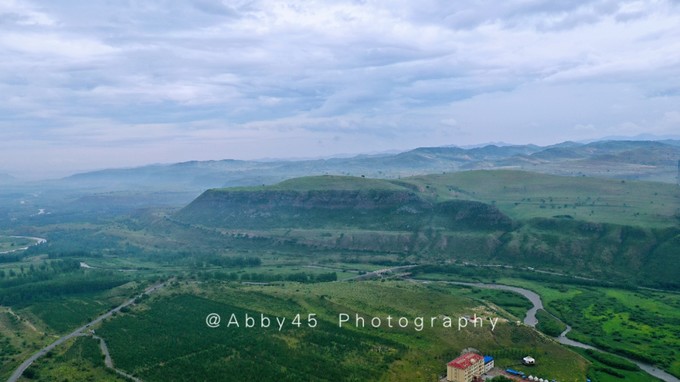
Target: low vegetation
(585, 245)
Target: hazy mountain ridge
(644, 160)
(126, 189)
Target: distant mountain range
(641, 160)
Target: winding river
(531, 320)
(38, 240)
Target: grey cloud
(162, 71)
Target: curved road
(20, 370)
(531, 320)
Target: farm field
(176, 320)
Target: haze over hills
(5, 178)
(642, 160)
(114, 191)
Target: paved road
(20, 370)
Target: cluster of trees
(301, 277)
(37, 272)
(476, 272)
(234, 262)
(77, 283)
(73, 254)
(549, 324)
(613, 361)
(8, 258)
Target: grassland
(19, 338)
(14, 243)
(327, 182)
(609, 368)
(617, 321)
(549, 324)
(641, 324)
(525, 195)
(522, 195)
(513, 303)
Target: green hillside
(523, 195)
(326, 182)
(338, 202)
(605, 229)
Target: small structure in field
(528, 361)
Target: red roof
(466, 360)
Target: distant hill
(642, 160)
(337, 202)
(605, 228)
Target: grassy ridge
(525, 195)
(600, 228)
(327, 182)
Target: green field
(581, 243)
(549, 324)
(62, 315)
(525, 195)
(522, 195)
(610, 368)
(14, 243)
(169, 334)
(641, 324)
(77, 360)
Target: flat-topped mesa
(317, 202)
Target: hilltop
(609, 229)
(333, 201)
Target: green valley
(591, 248)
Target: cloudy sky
(95, 84)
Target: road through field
(20, 370)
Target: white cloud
(374, 74)
(54, 45)
(20, 13)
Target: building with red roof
(465, 368)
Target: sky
(99, 84)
